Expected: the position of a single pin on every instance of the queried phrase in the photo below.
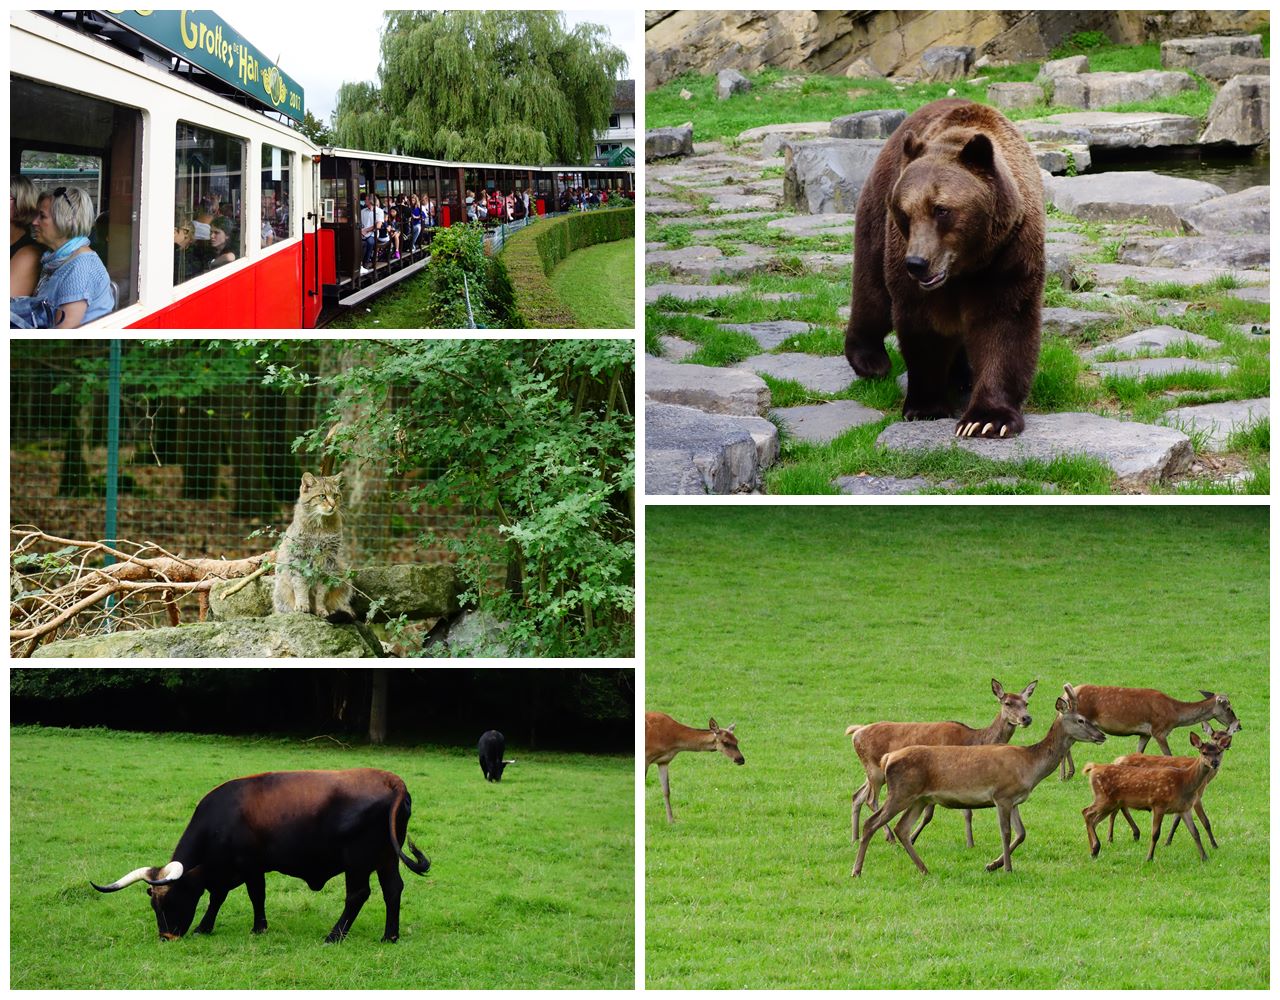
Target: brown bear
(948, 251)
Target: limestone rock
(1062, 158)
(1116, 129)
(1114, 274)
(664, 142)
(1139, 454)
(880, 486)
(676, 348)
(473, 633)
(818, 374)
(689, 293)
(715, 390)
(819, 423)
(769, 333)
(1070, 66)
(862, 69)
(1197, 251)
(1241, 113)
(1070, 322)
(1223, 68)
(417, 591)
(1101, 90)
(1220, 420)
(826, 175)
(1192, 53)
(1247, 211)
(291, 635)
(1119, 195)
(946, 62)
(1014, 95)
(787, 129)
(253, 600)
(728, 452)
(730, 82)
(1156, 338)
(708, 262)
(868, 124)
(1152, 367)
(835, 224)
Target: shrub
(457, 251)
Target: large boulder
(704, 387)
(1118, 196)
(1241, 113)
(868, 124)
(730, 82)
(1115, 129)
(691, 452)
(416, 591)
(292, 635)
(1014, 95)
(1101, 90)
(946, 62)
(1223, 68)
(1070, 66)
(660, 143)
(1196, 251)
(1247, 211)
(1192, 53)
(473, 633)
(826, 175)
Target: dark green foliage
(538, 435)
(491, 86)
(458, 269)
(533, 253)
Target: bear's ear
(978, 153)
(912, 147)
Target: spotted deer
(1161, 790)
(664, 738)
(872, 742)
(981, 777)
(1147, 714)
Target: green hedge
(532, 254)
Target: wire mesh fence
(186, 448)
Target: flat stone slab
(1116, 129)
(818, 423)
(1247, 211)
(1139, 454)
(708, 262)
(1253, 329)
(1113, 274)
(1235, 251)
(689, 293)
(676, 348)
(815, 373)
(1220, 420)
(834, 224)
(1148, 367)
(1261, 293)
(759, 133)
(1070, 322)
(782, 296)
(770, 333)
(880, 486)
(1117, 195)
(735, 202)
(1157, 338)
(742, 217)
(667, 206)
(728, 452)
(704, 387)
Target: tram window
(277, 223)
(59, 138)
(331, 189)
(208, 201)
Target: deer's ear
(1029, 690)
(1060, 704)
(1208, 729)
(1207, 694)
(997, 688)
(1196, 741)
(711, 724)
(730, 729)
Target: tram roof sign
(205, 40)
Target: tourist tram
(213, 212)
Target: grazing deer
(664, 738)
(873, 741)
(1147, 714)
(1160, 789)
(975, 778)
(1223, 739)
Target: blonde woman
(74, 287)
(24, 252)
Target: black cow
(492, 746)
(312, 825)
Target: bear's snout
(917, 267)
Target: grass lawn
(527, 889)
(598, 284)
(794, 622)
(402, 307)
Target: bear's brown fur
(949, 252)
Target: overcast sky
(322, 48)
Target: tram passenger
(470, 203)
(496, 205)
(516, 202)
(482, 209)
(369, 222)
(222, 233)
(74, 287)
(393, 230)
(205, 212)
(416, 218)
(24, 251)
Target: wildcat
(311, 560)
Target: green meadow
(794, 622)
(526, 889)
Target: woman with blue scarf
(74, 286)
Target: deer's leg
(1195, 834)
(855, 809)
(665, 778)
(903, 831)
(1177, 819)
(876, 820)
(968, 828)
(1164, 745)
(1019, 831)
(1068, 767)
(1137, 834)
(1143, 739)
(1091, 816)
(1004, 859)
(876, 784)
(925, 820)
(1156, 817)
(1205, 820)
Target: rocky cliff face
(827, 41)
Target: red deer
(312, 825)
(1223, 739)
(1147, 714)
(974, 778)
(664, 738)
(1158, 789)
(872, 742)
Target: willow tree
(506, 86)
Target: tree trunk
(378, 707)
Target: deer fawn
(1159, 789)
(664, 738)
(873, 741)
(975, 778)
(1223, 739)
(1147, 714)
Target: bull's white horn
(169, 873)
(508, 762)
(137, 875)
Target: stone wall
(892, 41)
